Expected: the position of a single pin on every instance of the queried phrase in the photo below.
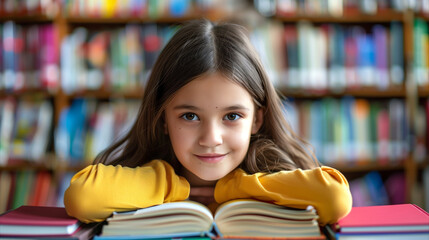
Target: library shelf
(107, 94)
(423, 16)
(424, 164)
(423, 91)
(66, 23)
(355, 17)
(364, 92)
(144, 19)
(50, 162)
(30, 19)
(40, 93)
(352, 18)
(46, 163)
(368, 166)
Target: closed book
(396, 53)
(37, 221)
(292, 55)
(381, 56)
(385, 219)
(5, 189)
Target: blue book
(179, 8)
(366, 59)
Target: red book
(385, 219)
(37, 221)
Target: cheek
(180, 138)
(240, 138)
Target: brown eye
(232, 116)
(190, 116)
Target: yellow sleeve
(324, 188)
(98, 190)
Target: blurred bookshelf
(344, 71)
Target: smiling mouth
(211, 158)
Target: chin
(211, 177)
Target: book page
(237, 207)
(173, 208)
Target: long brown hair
(198, 47)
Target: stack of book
(40, 222)
(247, 219)
(400, 221)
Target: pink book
(385, 218)
(37, 221)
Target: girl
(210, 125)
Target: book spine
(23, 184)
(33, 69)
(9, 33)
(354, 130)
(381, 57)
(50, 57)
(5, 190)
(420, 48)
(351, 52)
(6, 126)
(291, 39)
(396, 53)
(383, 136)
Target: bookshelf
(420, 167)
(66, 24)
(314, 16)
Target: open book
(238, 218)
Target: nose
(211, 135)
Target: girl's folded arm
(324, 188)
(98, 190)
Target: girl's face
(209, 122)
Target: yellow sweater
(98, 190)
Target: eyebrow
(195, 108)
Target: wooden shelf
(367, 167)
(106, 94)
(423, 16)
(27, 93)
(423, 91)
(46, 163)
(27, 166)
(424, 164)
(92, 20)
(22, 18)
(364, 92)
(380, 17)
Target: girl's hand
(204, 195)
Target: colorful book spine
(31, 129)
(338, 8)
(50, 57)
(117, 60)
(421, 49)
(396, 53)
(86, 128)
(335, 57)
(29, 57)
(28, 187)
(5, 189)
(137, 8)
(352, 131)
(370, 189)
